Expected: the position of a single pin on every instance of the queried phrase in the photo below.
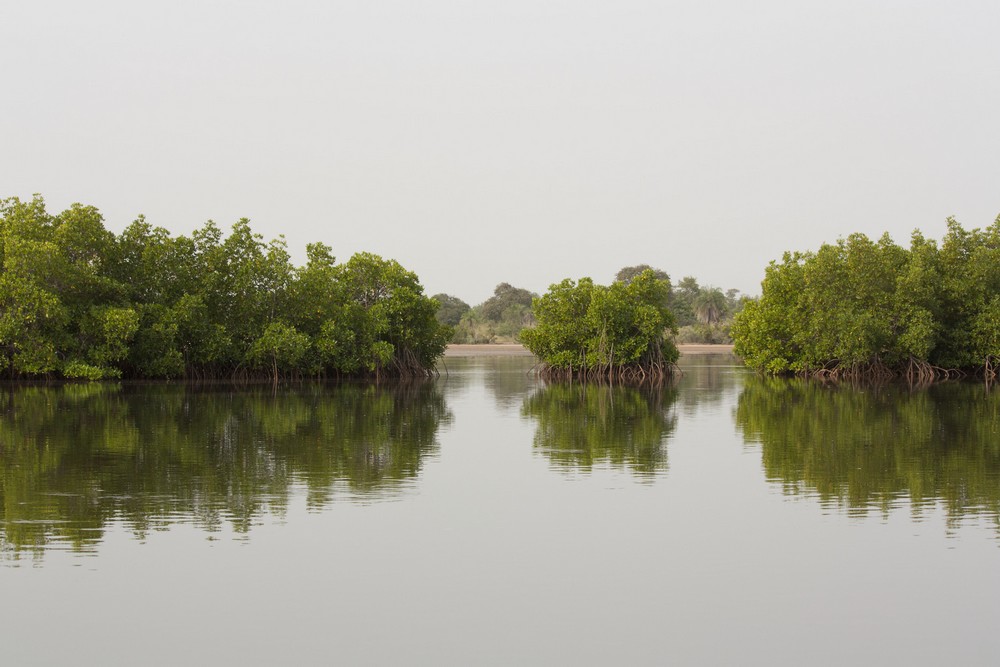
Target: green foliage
(498, 319)
(682, 302)
(627, 273)
(79, 370)
(704, 334)
(78, 301)
(474, 328)
(112, 330)
(505, 296)
(710, 305)
(451, 309)
(864, 306)
(280, 346)
(406, 334)
(986, 331)
(31, 319)
(586, 326)
(702, 314)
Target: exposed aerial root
(642, 374)
(915, 371)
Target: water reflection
(863, 448)
(508, 378)
(77, 457)
(708, 380)
(580, 425)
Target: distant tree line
(499, 319)
(863, 308)
(703, 314)
(78, 301)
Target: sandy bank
(698, 348)
(487, 350)
(515, 350)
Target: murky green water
(490, 519)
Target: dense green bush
(77, 301)
(622, 330)
(860, 307)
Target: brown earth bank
(688, 349)
(515, 350)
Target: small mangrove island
(589, 331)
(872, 309)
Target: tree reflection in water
(708, 381)
(77, 457)
(868, 447)
(583, 425)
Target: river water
(489, 518)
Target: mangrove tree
(863, 308)
(621, 331)
(78, 301)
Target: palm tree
(710, 305)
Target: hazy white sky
(517, 141)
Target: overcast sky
(516, 141)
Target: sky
(517, 141)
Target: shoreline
(518, 350)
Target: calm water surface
(488, 518)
